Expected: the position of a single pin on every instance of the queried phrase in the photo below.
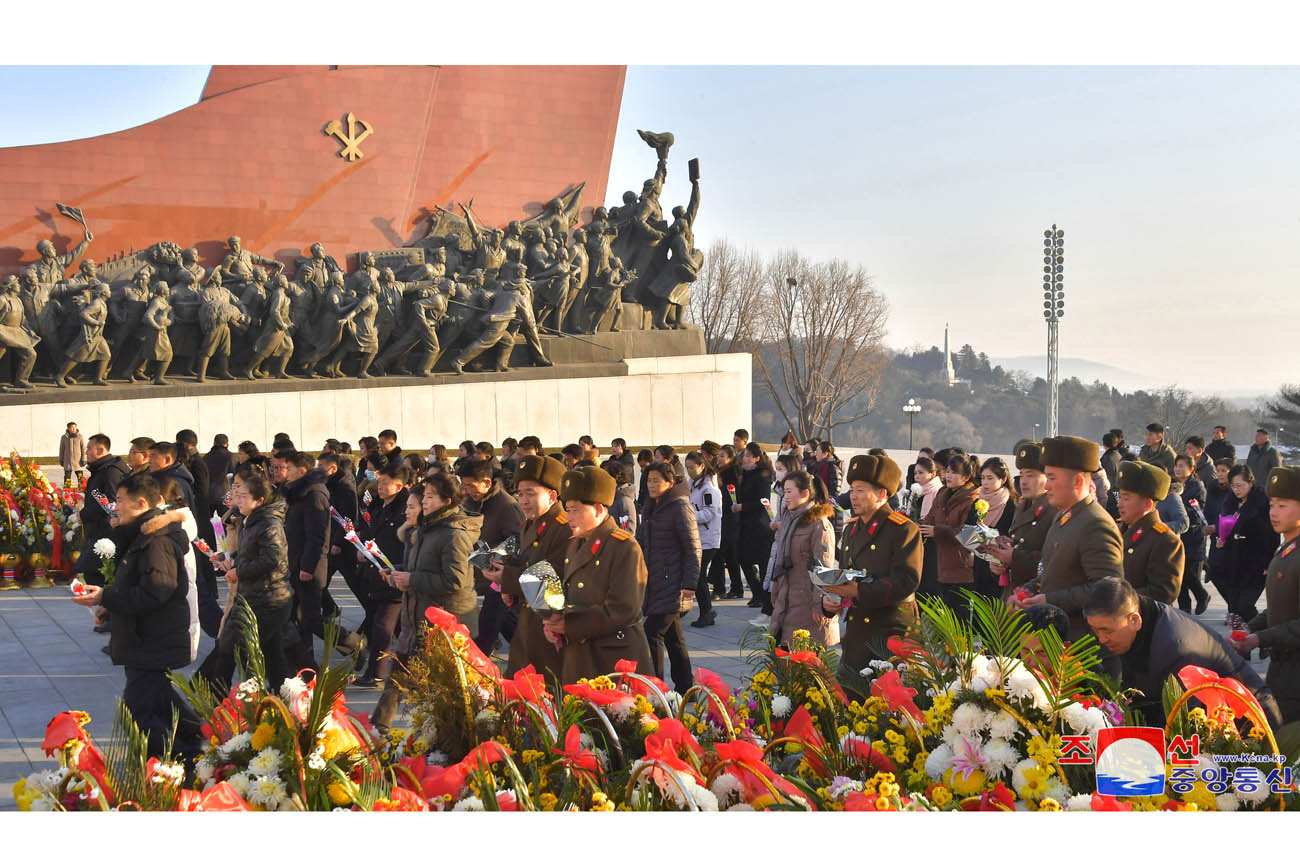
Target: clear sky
(1173, 185)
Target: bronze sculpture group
(461, 294)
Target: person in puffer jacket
(671, 543)
(706, 499)
(805, 536)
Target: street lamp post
(911, 409)
(1036, 426)
(1053, 312)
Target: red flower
(1000, 799)
(739, 752)
(599, 697)
(803, 657)
(506, 801)
(1106, 803)
(575, 756)
(447, 622)
(713, 682)
(672, 731)
(527, 685)
(1241, 701)
(869, 755)
(627, 666)
(904, 649)
(803, 729)
(898, 696)
(857, 801)
(666, 754)
(485, 753)
(221, 797)
(441, 781)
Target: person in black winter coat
(163, 464)
(105, 471)
(221, 464)
(726, 562)
(1252, 543)
(306, 529)
(1219, 447)
(150, 622)
(1193, 496)
(342, 487)
(387, 514)
(502, 518)
(1216, 499)
(258, 573)
(670, 541)
(1154, 641)
(754, 546)
(187, 454)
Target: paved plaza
(51, 661)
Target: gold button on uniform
(580, 584)
(534, 544)
(598, 562)
(1130, 551)
(566, 560)
(873, 547)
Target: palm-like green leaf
(1062, 670)
(248, 649)
(1001, 629)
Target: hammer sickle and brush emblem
(350, 139)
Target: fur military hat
(880, 471)
(589, 484)
(1029, 455)
(546, 471)
(1071, 452)
(1284, 483)
(1144, 479)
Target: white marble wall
(680, 401)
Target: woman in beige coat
(803, 536)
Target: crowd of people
(1112, 544)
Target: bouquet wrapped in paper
(542, 588)
(972, 536)
(829, 575)
(771, 512)
(483, 555)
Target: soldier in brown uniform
(1153, 553)
(1083, 543)
(1278, 627)
(545, 536)
(1020, 550)
(887, 546)
(604, 584)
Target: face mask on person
(371, 475)
(780, 476)
(693, 471)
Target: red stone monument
(354, 157)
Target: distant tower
(947, 358)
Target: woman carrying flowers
(804, 536)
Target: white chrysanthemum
(980, 683)
(1018, 772)
(1095, 719)
(1079, 803)
(949, 734)
(240, 782)
(780, 706)
(622, 708)
(1056, 789)
(674, 701)
(741, 807)
(970, 719)
(727, 787)
(1000, 756)
(1226, 802)
(291, 689)
(42, 804)
(204, 770)
(469, 804)
(1076, 716)
(1003, 726)
(247, 689)
(704, 798)
(438, 759)
(341, 809)
(167, 774)
(266, 763)
(266, 791)
(585, 740)
(316, 760)
(105, 548)
(938, 761)
(1261, 792)
(237, 743)
(1021, 684)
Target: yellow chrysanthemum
(801, 634)
(1047, 804)
(967, 784)
(262, 737)
(336, 740)
(842, 730)
(900, 755)
(338, 794)
(882, 805)
(1201, 797)
(548, 801)
(887, 789)
(601, 803)
(893, 737)
(860, 728)
(941, 796)
(530, 755)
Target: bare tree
(1183, 414)
(822, 332)
(726, 296)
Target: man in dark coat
(502, 518)
(187, 454)
(1155, 641)
(150, 624)
(1219, 447)
(1021, 549)
(163, 464)
(1263, 458)
(220, 463)
(105, 471)
(342, 487)
(306, 529)
(1193, 496)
